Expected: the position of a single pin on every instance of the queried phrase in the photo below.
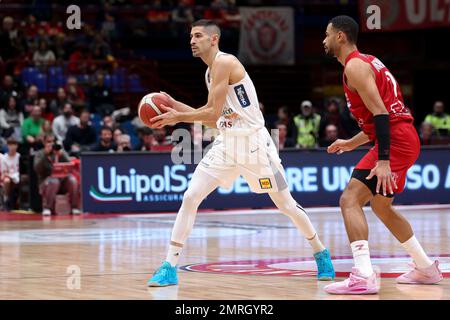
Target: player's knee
(190, 198)
(347, 200)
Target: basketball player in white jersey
(243, 147)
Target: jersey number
(398, 106)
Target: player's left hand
(385, 179)
(170, 117)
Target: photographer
(50, 186)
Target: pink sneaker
(355, 284)
(430, 275)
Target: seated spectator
(11, 119)
(332, 115)
(57, 105)
(162, 141)
(331, 135)
(31, 100)
(10, 88)
(80, 61)
(284, 116)
(46, 128)
(10, 176)
(47, 114)
(307, 123)
(75, 94)
(110, 122)
(427, 135)
(50, 186)
(32, 128)
(146, 139)
(80, 137)
(106, 142)
(283, 140)
(116, 135)
(124, 143)
(100, 97)
(439, 119)
(62, 122)
(43, 56)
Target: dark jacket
(43, 164)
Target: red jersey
(389, 91)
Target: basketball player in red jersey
(374, 98)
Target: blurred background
(83, 85)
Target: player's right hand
(339, 146)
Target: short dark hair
(348, 26)
(107, 129)
(207, 24)
(12, 141)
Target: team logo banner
(406, 14)
(267, 36)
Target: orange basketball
(149, 106)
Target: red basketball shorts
(405, 149)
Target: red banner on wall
(398, 15)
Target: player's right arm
(341, 146)
(182, 107)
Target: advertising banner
(146, 182)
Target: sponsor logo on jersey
(242, 96)
(265, 183)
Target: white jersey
(240, 113)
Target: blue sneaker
(325, 270)
(166, 275)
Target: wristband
(383, 135)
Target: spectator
(46, 128)
(307, 123)
(31, 100)
(79, 61)
(161, 142)
(43, 56)
(80, 137)
(13, 43)
(147, 139)
(106, 142)
(47, 114)
(32, 128)
(108, 28)
(331, 135)
(75, 94)
(62, 122)
(439, 119)
(332, 116)
(11, 120)
(100, 97)
(284, 116)
(124, 143)
(108, 121)
(116, 135)
(50, 186)
(57, 105)
(10, 176)
(9, 88)
(283, 140)
(427, 134)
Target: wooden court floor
(230, 255)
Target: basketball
(150, 106)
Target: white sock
(316, 244)
(361, 256)
(173, 255)
(415, 250)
